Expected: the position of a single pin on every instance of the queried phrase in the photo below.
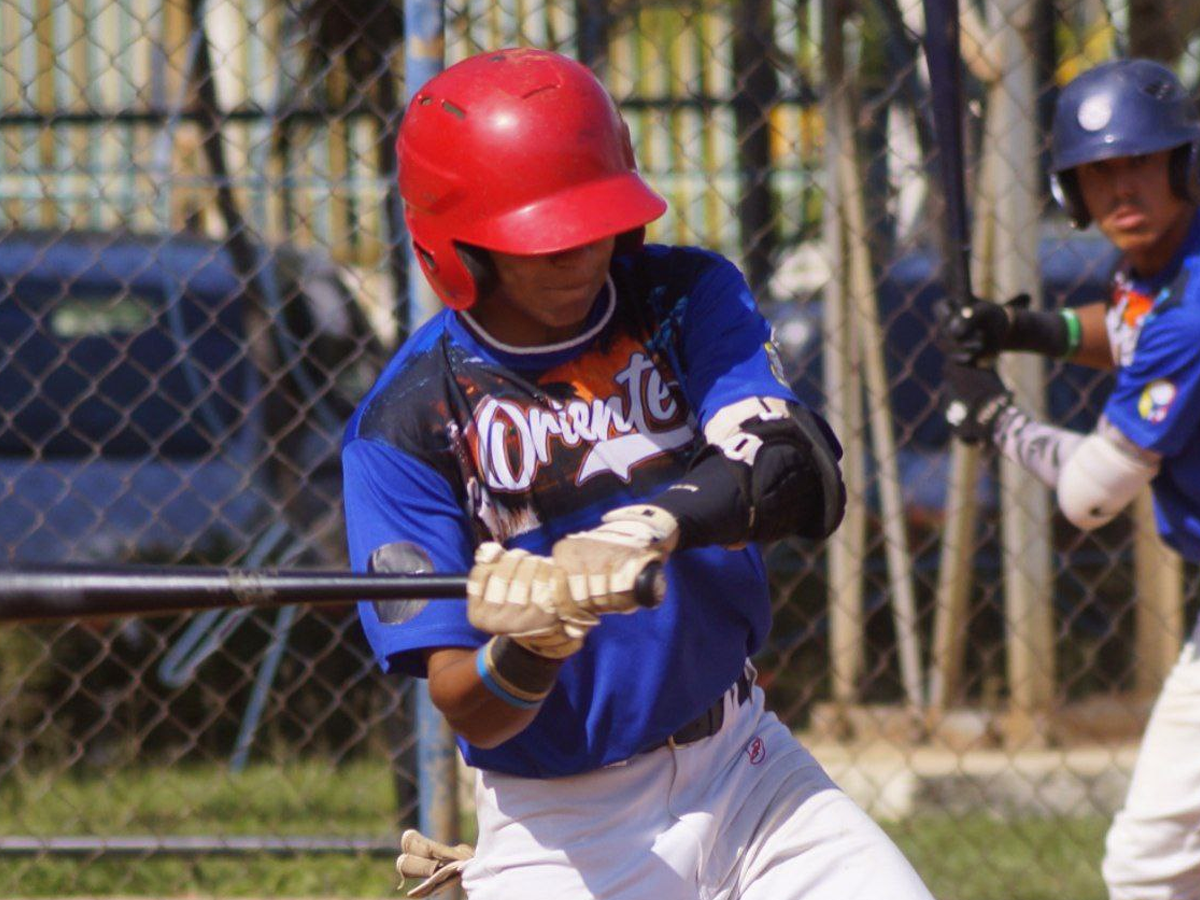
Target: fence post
(955, 566)
(1158, 585)
(1025, 524)
(865, 313)
(424, 48)
(843, 388)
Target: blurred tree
(1161, 29)
(350, 52)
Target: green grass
(297, 799)
(962, 858)
(979, 857)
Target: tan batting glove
(526, 597)
(440, 865)
(602, 564)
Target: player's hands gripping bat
(440, 865)
(974, 334)
(979, 331)
(976, 397)
(602, 564)
(516, 594)
(549, 605)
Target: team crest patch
(1156, 400)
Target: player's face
(546, 298)
(1130, 198)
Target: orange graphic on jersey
(1136, 307)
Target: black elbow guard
(774, 478)
(795, 481)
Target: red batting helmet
(520, 151)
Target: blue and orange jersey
(464, 440)
(1154, 328)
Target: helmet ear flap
(478, 262)
(448, 274)
(1065, 188)
(1185, 172)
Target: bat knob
(650, 586)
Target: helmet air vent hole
(1159, 90)
(426, 258)
(424, 99)
(455, 111)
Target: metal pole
(424, 52)
(437, 770)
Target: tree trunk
(757, 90)
(1159, 29)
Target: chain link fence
(203, 267)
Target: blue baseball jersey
(1154, 329)
(464, 440)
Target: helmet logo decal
(1095, 113)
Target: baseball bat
(943, 57)
(50, 593)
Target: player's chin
(1131, 237)
(564, 307)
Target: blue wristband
(485, 675)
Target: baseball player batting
(587, 405)
(1126, 155)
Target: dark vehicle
(152, 402)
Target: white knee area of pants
(747, 814)
(1152, 851)
(854, 858)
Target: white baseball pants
(746, 814)
(1153, 846)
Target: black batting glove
(978, 331)
(975, 398)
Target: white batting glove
(602, 564)
(440, 865)
(514, 593)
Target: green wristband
(1074, 331)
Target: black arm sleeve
(792, 486)
(1036, 331)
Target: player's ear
(630, 242)
(1184, 172)
(481, 266)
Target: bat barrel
(68, 592)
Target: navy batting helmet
(1127, 107)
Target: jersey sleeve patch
(1156, 400)
(394, 499)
